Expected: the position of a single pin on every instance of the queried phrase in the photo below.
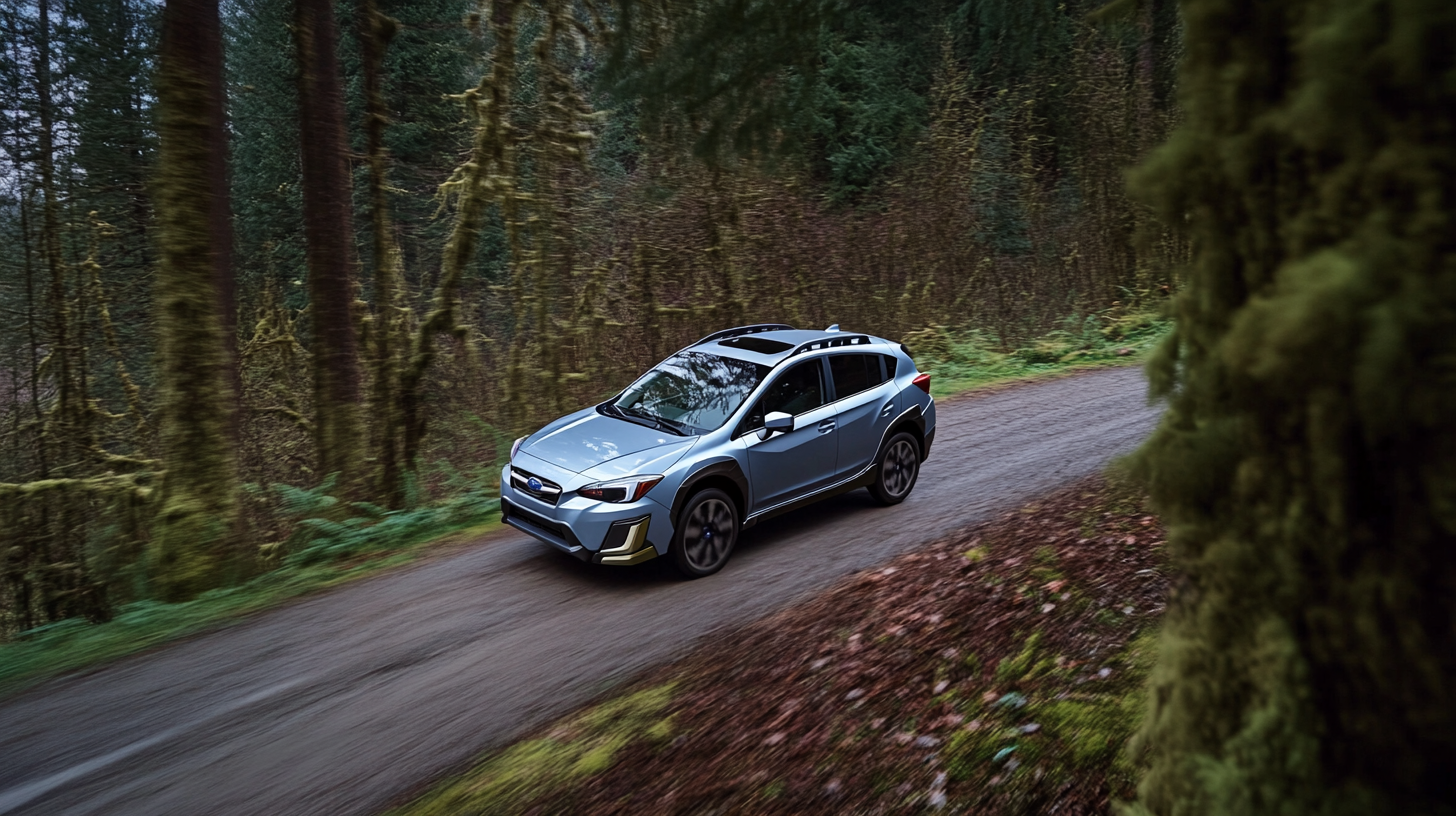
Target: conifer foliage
(1307, 463)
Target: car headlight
(620, 490)
(515, 446)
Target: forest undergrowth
(999, 670)
(970, 358)
(316, 542)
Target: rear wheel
(706, 531)
(897, 470)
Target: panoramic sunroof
(762, 345)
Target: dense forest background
(280, 271)
(387, 237)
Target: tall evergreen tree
(329, 232)
(63, 348)
(375, 30)
(195, 306)
(869, 102)
(110, 52)
(1307, 462)
(703, 71)
(266, 191)
(431, 58)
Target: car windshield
(691, 392)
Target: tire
(710, 512)
(896, 470)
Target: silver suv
(740, 426)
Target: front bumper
(593, 531)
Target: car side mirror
(777, 422)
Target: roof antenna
(833, 328)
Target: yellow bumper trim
(634, 550)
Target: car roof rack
(832, 342)
(742, 330)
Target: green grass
(962, 360)
(330, 554)
(575, 749)
(1095, 730)
(1080, 731)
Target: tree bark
(1306, 466)
(195, 367)
(328, 232)
(375, 32)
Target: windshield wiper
(682, 428)
(656, 421)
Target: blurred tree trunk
(61, 354)
(195, 310)
(375, 32)
(1307, 463)
(329, 235)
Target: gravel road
(345, 702)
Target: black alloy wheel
(898, 468)
(706, 533)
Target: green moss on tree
(1307, 463)
(198, 513)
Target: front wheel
(897, 470)
(705, 535)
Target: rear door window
(854, 373)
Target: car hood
(606, 446)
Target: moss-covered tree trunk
(329, 235)
(375, 32)
(1307, 463)
(195, 362)
(488, 175)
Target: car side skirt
(864, 478)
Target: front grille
(549, 492)
(539, 521)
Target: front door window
(788, 465)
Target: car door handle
(826, 426)
(887, 410)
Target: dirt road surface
(345, 702)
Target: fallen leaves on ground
(998, 670)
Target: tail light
(922, 382)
